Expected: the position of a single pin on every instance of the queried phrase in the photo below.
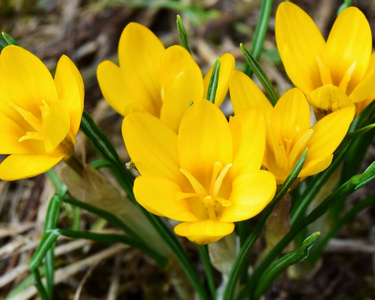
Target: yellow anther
(325, 74)
(347, 76)
(198, 188)
(28, 116)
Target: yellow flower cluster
(196, 167)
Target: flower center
(210, 197)
(326, 76)
(33, 121)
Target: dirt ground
(88, 32)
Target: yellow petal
(348, 45)
(160, 195)
(300, 43)
(21, 166)
(315, 166)
(251, 193)
(204, 232)
(249, 140)
(364, 89)
(70, 89)
(204, 138)
(275, 158)
(123, 91)
(175, 60)
(329, 132)
(187, 87)
(327, 99)
(227, 63)
(140, 52)
(244, 93)
(56, 125)
(152, 146)
(291, 117)
(26, 79)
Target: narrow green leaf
(208, 268)
(182, 34)
(353, 184)
(297, 255)
(293, 257)
(48, 239)
(114, 238)
(360, 131)
(3, 43)
(100, 164)
(262, 76)
(260, 33)
(214, 81)
(9, 39)
(104, 147)
(103, 214)
(346, 4)
(39, 285)
(52, 218)
(240, 262)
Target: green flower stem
(262, 76)
(61, 189)
(126, 180)
(214, 81)
(298, 255)
(52, 218)
(39, 285)
(182, 34)
(260, 33)
(242, 256)
(208, 268)
(353, 184)
(358, 207)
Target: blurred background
(88, 32)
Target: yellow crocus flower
(317, 67)
(158, 80)
(39, 115)
(207, 176)
(288, 128)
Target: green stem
(208, 268)
(260, 32)
(240, 262)
(61, 189)
(52, 217)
